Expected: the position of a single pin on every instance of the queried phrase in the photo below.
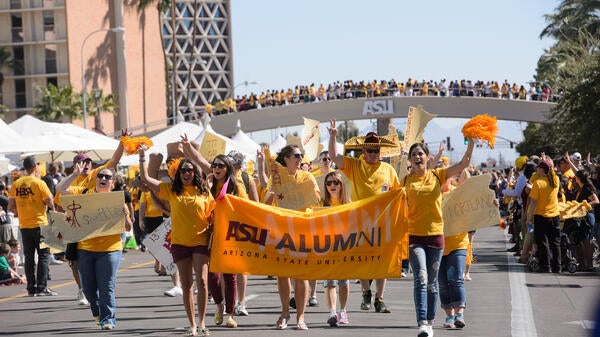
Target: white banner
(158, 244)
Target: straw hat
(370, 140)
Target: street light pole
(245, 84)
(83, 93)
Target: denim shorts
(335, 283)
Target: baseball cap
(237, 158)
(29, 162)
(80, 157)
(576, 156)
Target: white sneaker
(424, 330)
(240, 310)
(175, 291)
(54, 261)
(81, 300)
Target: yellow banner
(364, 239)
(470, 206)
(415, 125)
(87, 216)
(310, 138)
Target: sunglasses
(332, 182)
(104, 176)
(372, 151)
(296, 155)
(219, 165)
(326, 159)
(186, 170)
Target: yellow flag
(310, 138)
(364, 239)
(415, 125)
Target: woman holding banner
(426, 228)
(98, 258)
(191, 211)
(287, 172)
(224, 182)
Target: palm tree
(58, 104)
(103, 104)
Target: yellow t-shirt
(88, 181)
(151, 210)
(29, 193)
(190, 214)
(424, 198)
(546, 196)
(300, 177)
(454, 242)
(107, 243)
(369, 180)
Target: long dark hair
(423, 146)
(285, 152)
(584, 177)
(199, 180)
(327, 196)
(232, 187)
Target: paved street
(503, 300)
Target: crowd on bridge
(349, 89)
(185, 186)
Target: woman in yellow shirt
(542, 208)
(192, 206)
(98, 258)
(426, 228)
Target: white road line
(521, 316)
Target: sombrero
(370, 140)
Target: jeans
(425, 263)
(31, 245)
(451, 281)
(98, 274)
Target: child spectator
(7, 274)
(14, 258)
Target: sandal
(282, 322)
(301, 326)
(191, 332)
(204, 332)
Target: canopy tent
(61, 141)
(13, 142)
(230, 144)
(170, 135)
(277, 144)
(5, 166)
(248, 145)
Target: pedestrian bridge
(380, 107)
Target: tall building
(77, 43)
(203, 54)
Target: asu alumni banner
(364, 239)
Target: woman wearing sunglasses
(98, 258)
(224, 181)
(290, 158)
(192, 206)
(335, 195)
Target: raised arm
(337, 158)
(464, 162)
(194, 155)
(260, 165)
(432, 163)
(116, 157)
(152, 183)
(63, 186)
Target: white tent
(13, 142)
(171, 135)
(5, 166)
(278, 143)
(338, 146)
(248, 144)
(61, 141)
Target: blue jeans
(451, 281)
(37, 281)
(98, 274)
(425, 263)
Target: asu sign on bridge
(386, 107)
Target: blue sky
(280, 44)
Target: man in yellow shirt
(368, 176)
(29, 199)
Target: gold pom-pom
(482, 127)
(132, 144)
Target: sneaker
(449, 322)
(54, 261)
(240, 310)
(459, 321)
(366, 301)
(403, 274)
(343, 317)
(218, 317)
(81, 300)
(293, 303)
(430, 330)
(231, 323)
(173, 292)
(332, 320)
(47, 292)
(107, 327)
(380, 306)
(423, 331)
(313, 302)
